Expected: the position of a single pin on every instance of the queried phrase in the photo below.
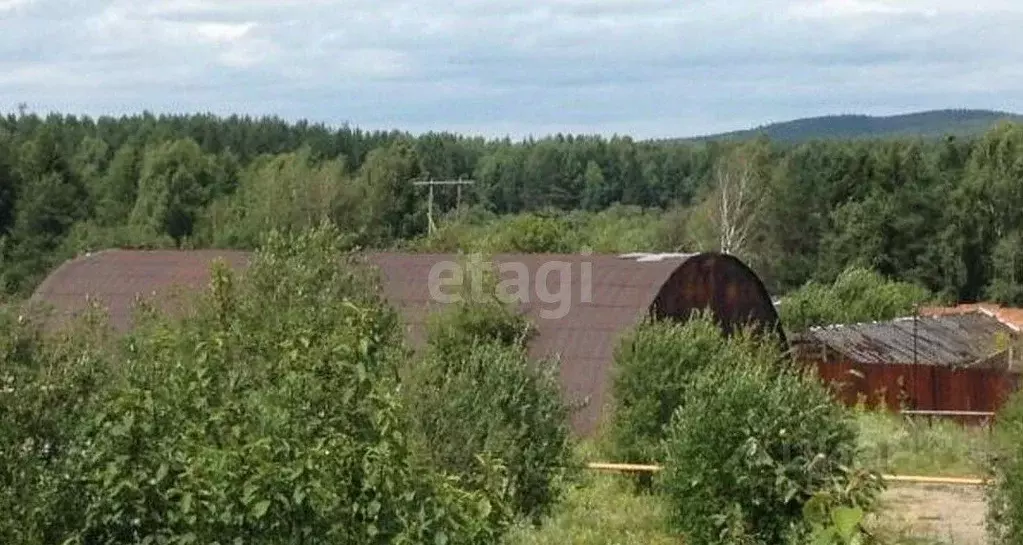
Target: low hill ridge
(931, 123)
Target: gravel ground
(952, 514)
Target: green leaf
(824, 536)
(161, 472)
(260, 508)
(847, 520)
(485, 508)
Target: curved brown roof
(115, 278)
(582, 327)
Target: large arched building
(580, 304)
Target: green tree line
(940, 213)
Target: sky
(645, 68)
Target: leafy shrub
(1005, 495)
(90, 237)
(753, 444)
(534, 233)
(478, 314)
(475, 392)
(491, 400)
(48, 385)
(653, 366)
(271, 415)
(858, 295)
(839, 526)
(616, 229)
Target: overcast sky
(648, 68)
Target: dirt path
(945, 513)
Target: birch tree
(739, 180)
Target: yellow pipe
(645, 468)
(973, 481)
(627, 468)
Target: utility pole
(431, 183)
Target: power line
(431, 184)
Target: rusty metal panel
(919, 387)
(723, 284)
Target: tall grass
(897, 444)
(601, 509)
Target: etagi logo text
(515, 283)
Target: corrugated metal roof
(952, 340)
(622, 290)
(584, 338)
(115, 278)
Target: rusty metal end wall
(723, 284)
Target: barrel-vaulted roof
(580, 304)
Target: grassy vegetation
(604, 508)
(901, 445)
(599, 509)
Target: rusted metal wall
(919, 387)
(726, 286)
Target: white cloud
(223, 32)
(844, 9)
(11, 5)
(649, 67)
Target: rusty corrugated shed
(951, 340)
(622, 290)
(955, 362)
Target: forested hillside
(944, 213)
(933, 123)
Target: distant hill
(933, 123)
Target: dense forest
(944, 213)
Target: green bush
(754, 443)
(476, 317)
(857, 295)
(614, 230)
(48, 386)
(533, 233)
(1005, 496)
(90, 237)
(272, 415)
(491, 400)
(653, 367)
(475, 393)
